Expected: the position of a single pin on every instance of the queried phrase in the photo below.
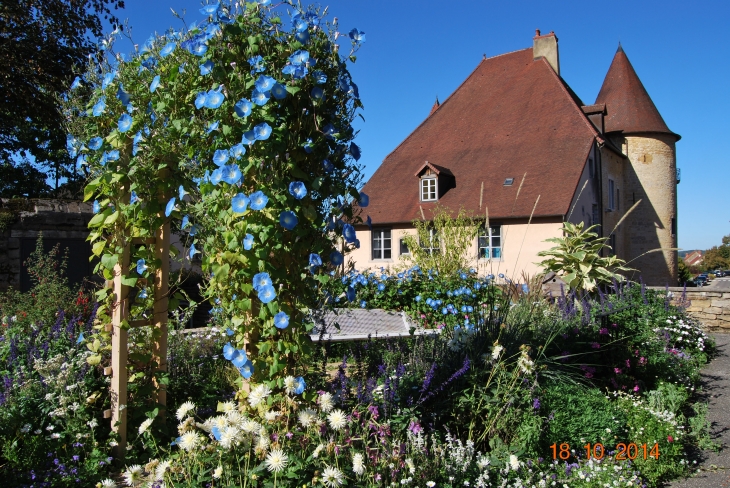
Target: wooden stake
(118, 389)
(160, 311)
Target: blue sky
(417, 50)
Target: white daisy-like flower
(258, 394)
(483, 462)
(262, 444)
(144, 426)
(55, 435)
(430, 484)
(496, 351)
(325, 402)
(514, 462)
(332, 477)
(218, 472)
(92, 423)
(189, 441)
(306, 417)
(276, 460)
(229, 437)
(234, 417)
(133, 475)
(271, 415)
(220, 421)
(162, 469)
(337, 419)
(184, 409)
(290, 384)
(358, 463)
(228, 406)
(316, 452)
(250, 426)
(108, 483)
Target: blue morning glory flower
(363, 304)
(220, 157)
(350, 294)
(216, 176)
(168, 49)
(308, 146)
(336, 258)
(193, 230)
(124, 123)
(262, 131)
(266, 293)
(141, 266)
(96, 207)
(265, 83)
(137, 138)
(76, 83)
(299, 57)
(288, 220)
(108, 79)
(210, 9)
(181, 192)
(239, 203)
(419, 298)
(192, 251)
(258, 200)
(200, 100)
(216, 433)
(369, 223)
(228, 351)
(319, 77)
(239, 358)
(247, 369)
(299, 24)
(249, 137)
(243, 107)
(348, 232)
(317, 94)
(237, 151)
(248, 242)
(185, 222)
(110, 156)
(212, 126)
(357, 36)
(281, 320)
(264, 3)
(229, 332)
(123, 96)
(257, 64)
(327, 165)
(279, 91)
(315, 260)
(364, 200)
(261, 280)
(231, 174)
(302, 37)
(297, 190)
(214, 99)
(206, 68)
(155, 83)
(260, 97)
(297, 72)
(329, 131)
(300, 386)
(142, 294)
(99, 107)
(133, 198)
(199, 49)
(355, 151)
(95, 143)
(170, 207)
(80, 339)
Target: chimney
(546, 47)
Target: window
(428, 189)
(611, 195)
(381, 243)
(431, 245)
(403, 248)
(674, 227)
(490, 242)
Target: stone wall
(61, 222)
(712, 308)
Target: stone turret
(634, 124)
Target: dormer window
(434, 181)
(429, 189)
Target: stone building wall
(712, 308)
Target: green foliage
(718, 257)
(577, 258)
(683, 273)
(444, 243)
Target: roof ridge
(447, 99)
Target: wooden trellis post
(120, 351)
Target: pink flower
(617, 370)
(595, 345)
(636, 388)
(628, 363)
(614, 325)
(603, 331)
(589, 375)
(642, 360)
(670, 438)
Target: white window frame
(402, 245)
(429, 189)
(433, 244)
(611, 195)
(492, 238)
(384, 238)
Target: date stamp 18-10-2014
(622, 451)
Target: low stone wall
(712, 308)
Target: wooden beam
(120, 352)
(143, 240)
(160, 311)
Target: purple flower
(536, 403)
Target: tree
(42, 44)
(718, 257)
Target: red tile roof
(512, 117)
(630, 108)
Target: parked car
(700, 280)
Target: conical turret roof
(629, 106)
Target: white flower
(218, 472)
(411, 466)
(306, 417)
(229, 437)
(189, 441)
(271, 415)
(514, 462)
(92, 423)
(325, 402)
(263, 442)
(228, 406)
(483, 462)
(258, 394)
(184, 409)
(55, 435)
(162, 469)
(250, 426)
(332, 477)
(337, 419)
(133, 475)
(316, 452)
(37, 431)
(108, 483)
(276, 460)
(358, 463)
(496, 351)
(145, 425)
(290, 384)
(26, 428)
(430, 484)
